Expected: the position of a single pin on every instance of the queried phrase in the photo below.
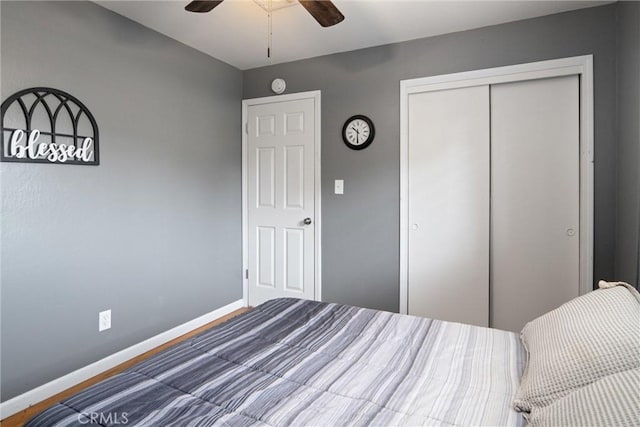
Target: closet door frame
(578, 65)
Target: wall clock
(358, 132)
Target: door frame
(246, 103)
(577, 65)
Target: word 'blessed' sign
(46, 125)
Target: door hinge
(246, 274)
(246, 128)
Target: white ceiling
(236, 31)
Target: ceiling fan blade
(324, 11)
(202, 6)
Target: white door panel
(280, 195)
(448, 274)
(535, 188)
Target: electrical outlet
(104, 320)
(338, 186)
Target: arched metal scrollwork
(46, 125)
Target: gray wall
(628, 51)
(154, 232)
(361, 228)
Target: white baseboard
(38, 394)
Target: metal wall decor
(46, 125)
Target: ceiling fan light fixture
(274, 5)
(323, 11)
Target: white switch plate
(339, 186)
(104, 320)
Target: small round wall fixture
(358, 132)
(278, 86)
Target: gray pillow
(611, 401)
(580, 342)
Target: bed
(292, 362)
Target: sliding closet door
(448, 249)
(535, 201)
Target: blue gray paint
(360, 238)
(628, 109)
(154, 232)
(156, 227)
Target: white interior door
(535, 198)
(448, 212)
(280, 200)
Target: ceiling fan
(323, 11)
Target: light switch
(339, 186)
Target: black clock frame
(369, 139)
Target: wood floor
(23, 416)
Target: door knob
(307, 221)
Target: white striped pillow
(580, 342)
(611, 401)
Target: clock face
(358, 132)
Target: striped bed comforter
(293, 362)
